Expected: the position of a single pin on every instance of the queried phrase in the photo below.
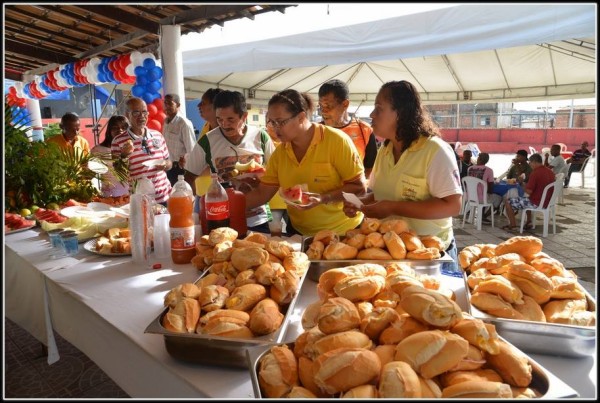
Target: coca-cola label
(217, 210)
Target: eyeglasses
(145, 147)
(278, 124)
(139, 113)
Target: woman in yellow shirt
(321, 157)
(415, 175)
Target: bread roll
(473, 360)
(342, 369)
(429, 389)
(432, 241)
(386, 298)
(173, 322)
(218, 235)
(222, 251)
(476, 277)
(315, 250)
(530, 310)
(525, 246)
(547, 265)
(306, 376)
(411, 241)
(188, 290)
(310, 314)
(424, 254)
(337, 315)
(189, 309)
(347, 339)
(257, 237)
(393, 267)
(267, 273)
(582, 318)
(512, 365)
(398, 380)
(468, 255)
(304, 345)
(296, 261)
(374, 240)
(400, 329)
(245, 277)
(478, 333)
(225, 315)
(478, 389)
(339, 251)
(373, 254)
(213, 297)
(278, 372)
(501, 286)
(361, 392)
(265, 317)
(566, 288)
(280, 249)
(430, 307)
(326, 236)
(369, 225)
(245, 243)
(224, 328)
(247, 258)
(497, 264)
(398, 281)
(245, 297)
(478, 264)
(477, 375)
(386, 353)
(373, 323)
(432, 352)
(330, 278)
(530, 281)
(285, 287)
(394, 245)
(524, 393)
(430, 282)
(299, 392)
(357, 241)
(396, 225)
(494, 305)
(561, 310)
(359, 288)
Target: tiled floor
(28, 375)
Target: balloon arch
(140, 69)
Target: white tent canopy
(466, 53)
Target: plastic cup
(55, 238)
(70, 243)
(162, 236)
(276, 224)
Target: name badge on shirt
(155, 143)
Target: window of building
(485, 121)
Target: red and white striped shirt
(155, 148)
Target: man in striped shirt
(145, 150)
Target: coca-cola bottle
(216, 205)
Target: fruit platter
(14, 222)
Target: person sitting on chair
(541, 176)
(577, 160)
(519, 167)
(466, 163)
(485, 173)
(557, 162)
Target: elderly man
(577, 160)
(179, 135)
(334, 100)
(540, 177)
(144, 150)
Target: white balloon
(149, 55)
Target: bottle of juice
(181, 224)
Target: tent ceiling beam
(581, 56)
(501, 67)
(270, 78)
(355, 72)
(375, 73)
(409, 71)
(58, 10)
(199, 13)
(112, 44)
(308, 76)
(37, 52)
(126, 17)
(452, 72)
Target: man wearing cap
(577, 160)
(520, 167)
(179, 136)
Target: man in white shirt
(179, 136)
(557, 163)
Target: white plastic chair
(582, 171)
(561, 177)
(549, 212)
(532, 150)
(563, 147)
(473, 206)
(545, 150)
(593, 162)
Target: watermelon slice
(295, 195)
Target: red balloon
(152, 110)
(154, 125)
(12, 90)
(22, 102)
(125, 61)
(158, 103)
(161, 116)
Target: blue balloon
(149, 63)
(138, 91)
(153, 86)
(140, 71)
(142, 80)
(155, 73)
(148, 97)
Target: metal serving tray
(542, 337)
(543, 381)
(318, 267)
(215, 350)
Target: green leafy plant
(52, 130)
(40, 173)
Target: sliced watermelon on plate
(296, 194)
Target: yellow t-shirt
(64, 144)
(408, 180)
(330, 161)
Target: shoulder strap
(362, 133)
(205, 144)
(264, 137)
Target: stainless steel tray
(542, 337)
(318, 267)
(543, 381)
(215, 350)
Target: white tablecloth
(102, 305)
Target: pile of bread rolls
(386, 332)
(247, 288)
(388, 239)
(114, 240)
(516, 280)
